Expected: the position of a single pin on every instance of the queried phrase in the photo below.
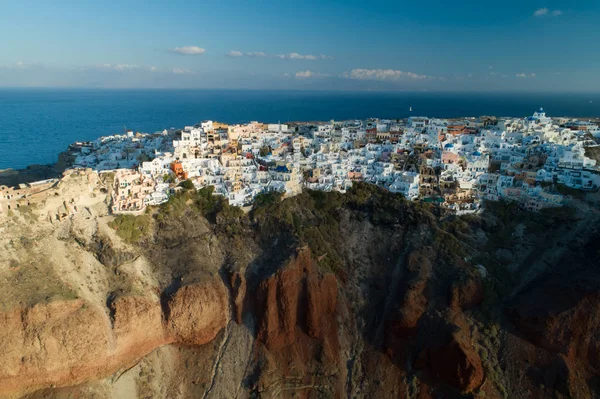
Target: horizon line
(392, 91)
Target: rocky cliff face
(70, 342)
(321, 295)
(296, 298)
(560, 314)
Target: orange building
(177, 168)
(456, 129)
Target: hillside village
(456, 163)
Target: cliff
(321, 295)
(68, 342)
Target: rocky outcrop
(296, 310)
(296, 299)
(196, 313)
(466, 294)
(68, 342)
(137, 324)
(54, 344)
(566, 321)
(237, 283)
(414, 302)
(454, 362)
(401, 323)
(321, 301)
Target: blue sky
(334, 45)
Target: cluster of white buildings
(456, 163)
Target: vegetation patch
(192, 203)
(27, 212)
(131, 228)
(32, 284)
(313, 217)
(187, 184)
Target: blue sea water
(37, 124)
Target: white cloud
(19, 65)
(235, 53)
(309, 74)
(470, 75)
(541, 12)
(181, 71)
(304, 74)
(288, 56)
(189, 50)
(126, 68)
(119, 67)
(525, 76)
(296, 56)
(381, 74)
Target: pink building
(130, 190)
(449, 157)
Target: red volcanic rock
(414, 303)
(401, 323)
(279, 296)
(296, 296)
(63, 343)
(198, 312)
(562, 316)
(131, 316)
(69, 342)
(322, 302)
(296, 310)
(466, 294)
(455, 363)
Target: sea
(37, 124)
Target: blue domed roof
(449, 145)
(477, 154)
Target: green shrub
(187, 184)
(167, 178)
(175, 207)
(131, 228)
(264, 151)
